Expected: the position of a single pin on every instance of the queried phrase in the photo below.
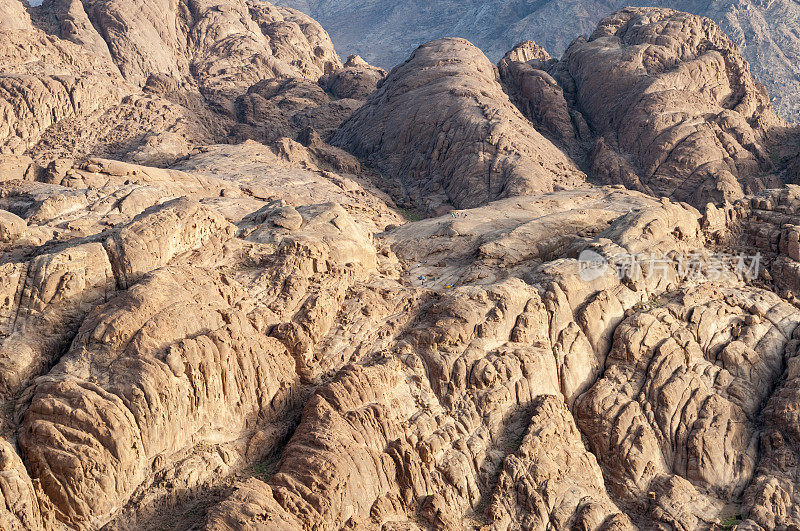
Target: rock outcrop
(147, 82)
(386, 33)
(419, 432)
(524, 73)
(671, 93)
(84, 244)
(357, 79)
(527, 495)
(441, 126)
(253, 336)
(681, 395)
(43, 82)
(659, 101)
(159, 392)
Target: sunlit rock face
(246, 285)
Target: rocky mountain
(385, 32)
(247, 285)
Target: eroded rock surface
(671, 94)
(149, 81)
(386, 33)
(456, 140)
(253, 336)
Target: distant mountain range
(384, 32)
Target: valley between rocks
(246, 285)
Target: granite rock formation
(147, 82)
(583, 314)
(385, 32)
(642, 86)
(441, 126)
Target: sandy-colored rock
(208, 40)
(44, 81)
(158, 234)
(11, 227)
(275, 108)
(19, 510)
(456, 140)
(14, 167)
(538, 95)
(446, 413)
(386, 33)
(48, 296)
(771, 498)
(112, 224)
(148, 81)
(356, 79)
(673, 94)
(552, 480)
(250, 335)
(682, 391)
(158, 393)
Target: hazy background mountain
(384, 32)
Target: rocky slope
(149, 81)
(250, 334)
(696, 131)
(386, 32)
(457, 140)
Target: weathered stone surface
(444, 414)
(158, 234)
(20, 508)
(771, 498)
(386, 33)
(13, 167)
(552, 480)
(672, 93)
(44, 81)
(158, 392)
(538, 95)
(221, 45)
(456, 140)
(148, 81)
(681, 394)
(11, 227)
(275, 108)
(357, 79)
(252, 335)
